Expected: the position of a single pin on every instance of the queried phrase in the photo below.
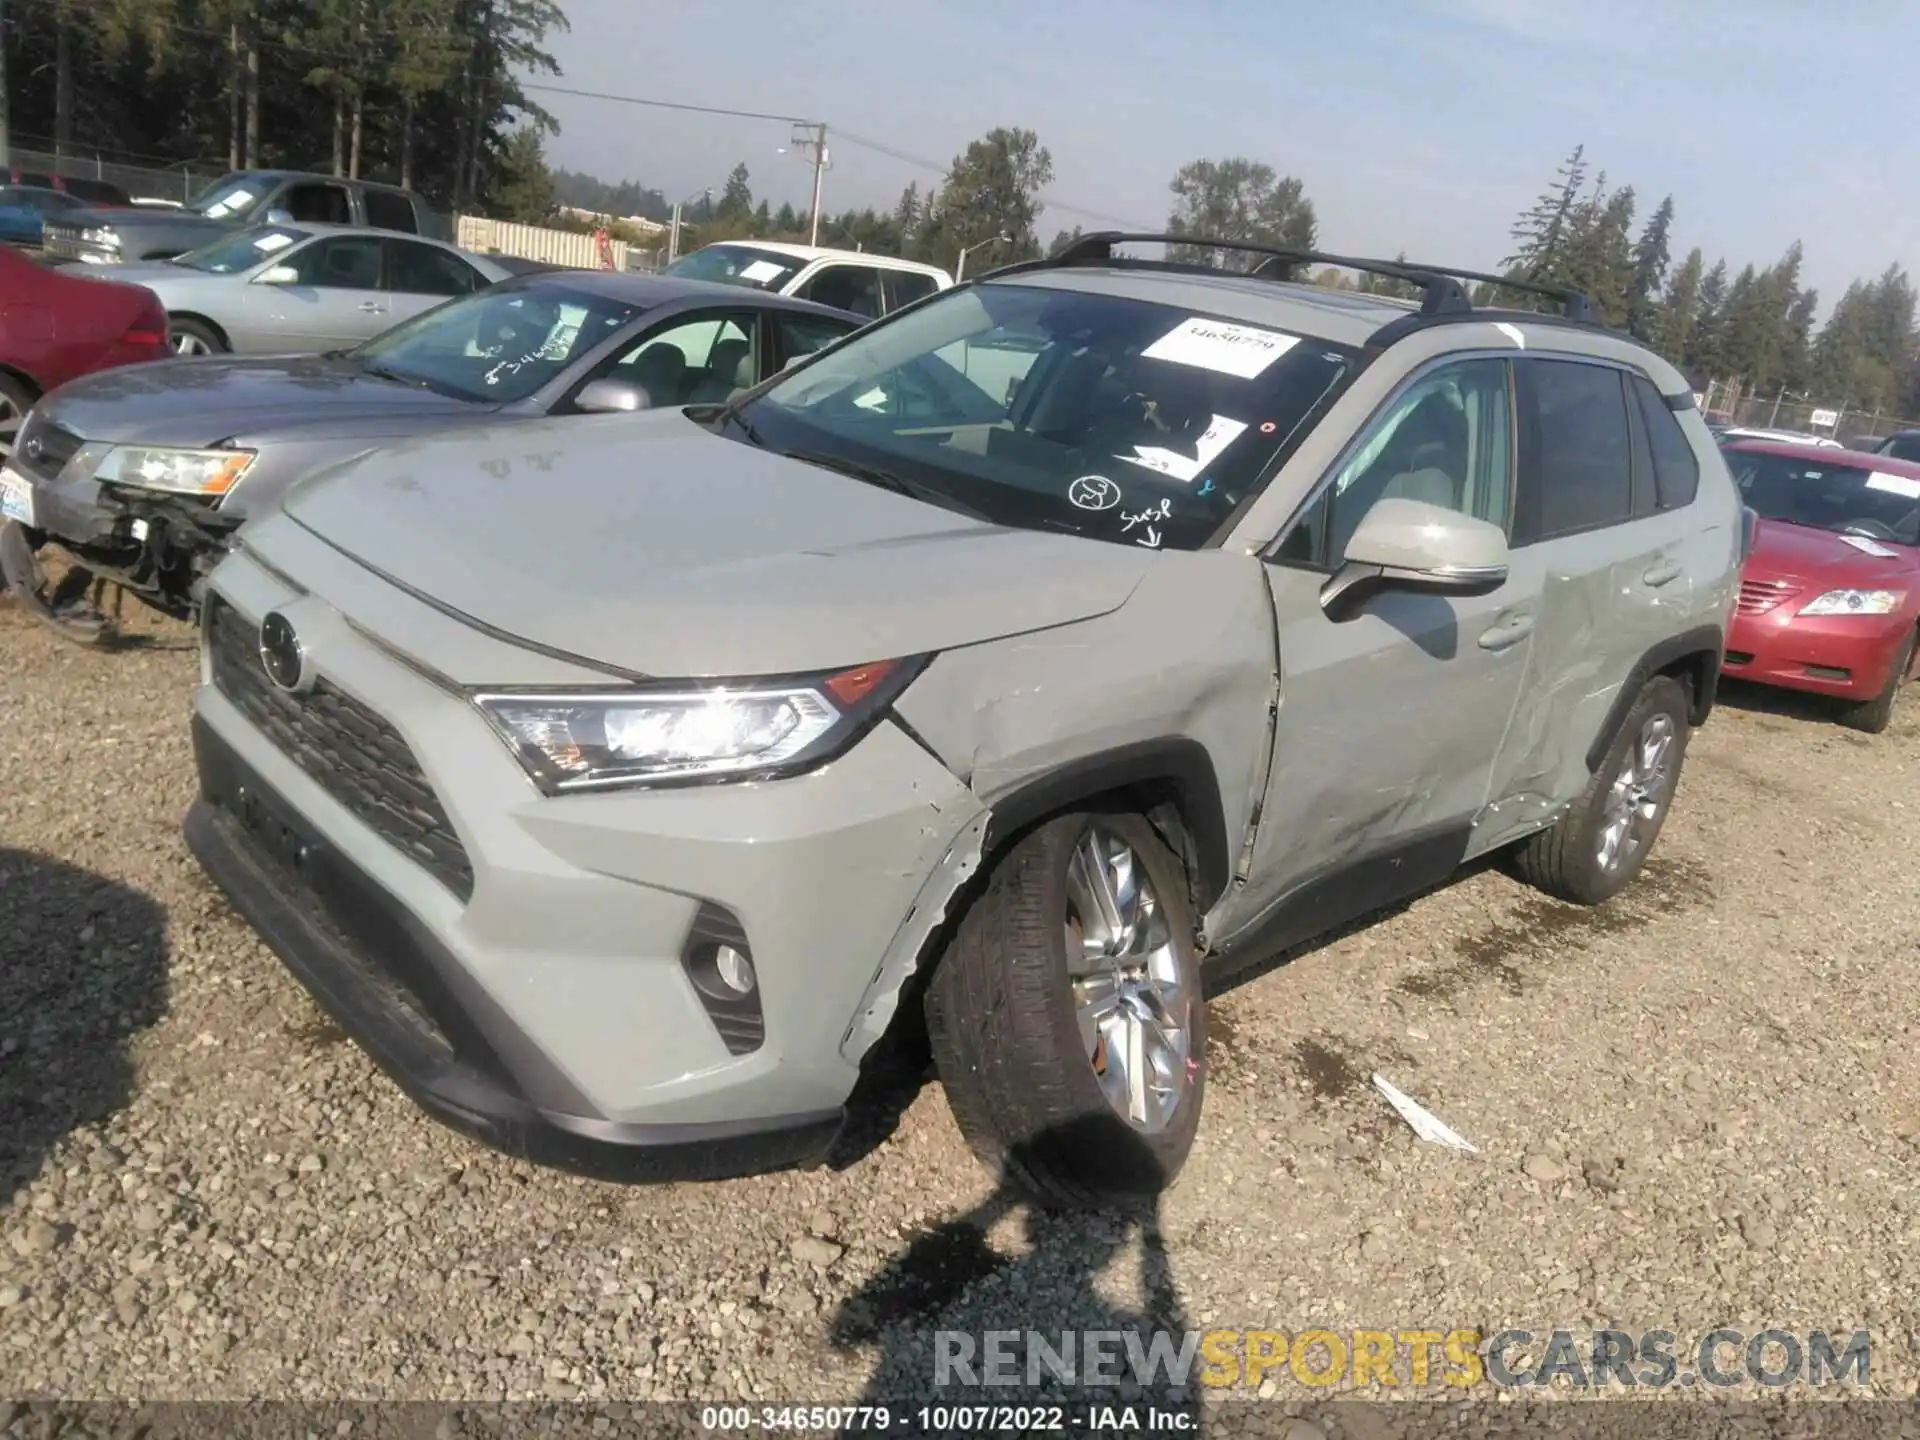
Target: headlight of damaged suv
(1855, 602)
(750, 729)
(186, 472)
(101, 237)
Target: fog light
(719, 961)
(735, 970)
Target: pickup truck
(247, 197)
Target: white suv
(869, 285)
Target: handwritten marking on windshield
(1147, 516)
(1094, 492)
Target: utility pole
(813, 138)
(673, 236)
(3, 84)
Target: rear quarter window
(388, 211)
(1676, 469)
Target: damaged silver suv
(1024, 663)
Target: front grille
(1757, 597)
(43, 448)
(357, 757)
(66, 244)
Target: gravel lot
(1694, 1108)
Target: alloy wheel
(190, 345)
(1639, 793)
(11, 419)
(1128, 995)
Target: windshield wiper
(381, 372)
(886, 480)
(728, 413)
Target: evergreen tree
(1705, 357)
(1539, 234)
(1650, 259)
(736, 200)
(1678, 316)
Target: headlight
(189, 472)
(1855, 602)
(570, 740)
(101, 237)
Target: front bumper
(156, 544)
(1846, 656)
(58, 246)
(376, 970)
(531, 984)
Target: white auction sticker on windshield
(1217, 345)
(267, 244)
(1868, 546)
(761, 270)
(1186, 468)
(1903, 485)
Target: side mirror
(279, 215)
(1411, 545)
(279, 275)
(604, 397)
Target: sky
(1416, 125)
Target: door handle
(1664, 573)
(1507, 633)
(372, 307)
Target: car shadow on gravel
(1787, 705)
(928, 1312)
(83, 967)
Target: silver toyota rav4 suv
(1023, 664)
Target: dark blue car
(24, 208)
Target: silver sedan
(288, 289)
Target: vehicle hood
(1820, 557)
(205, 401)
(649, 544)
(133, 217)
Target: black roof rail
(1441, 290)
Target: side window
(1578, 472)
(316, 204)
(415, 269)
(847, 287)
(1447, 440)
(694, 361)
(344, 262)
(804, 334)
(1676, 470)
(906, 286)
(389, 211)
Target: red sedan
(55, 326)
(1830, 597)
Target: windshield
(738, 265)
(497, 346)
(233, 253)
(227, 199)
(1105, 417)
(1843, 498)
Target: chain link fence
(1727, 401)
(136, 174)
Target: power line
(670, 104)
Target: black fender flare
(1177, 764)
(1705, 644)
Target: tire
(1007, 1036)
(16, 399)
(1568, 860)
(188, 336)
(1873, 716)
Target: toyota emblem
(33, 447)
(282, 655)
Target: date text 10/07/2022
(944, 1419)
